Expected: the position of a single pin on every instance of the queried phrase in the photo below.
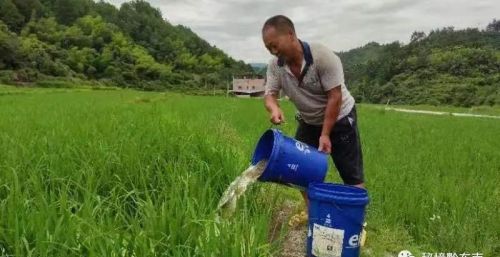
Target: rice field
(125, 173)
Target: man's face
(278, 43)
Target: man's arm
(273, 87)
(331, 113)
(332, 78)
(332, 110)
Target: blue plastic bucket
(290, 162)
(336, 217)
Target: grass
(125, 173)
(433, 180)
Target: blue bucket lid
(338, 193)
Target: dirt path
(294, 242)
(458, 114)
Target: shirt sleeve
(330, 69)
(273, 84)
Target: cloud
(234, 25)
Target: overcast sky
(234, 25)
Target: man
(311, 76)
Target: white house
(248, 86)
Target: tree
(68, 11)
(10, 15)
(9, 44)
(46, 29)
(107, 11)
(417, 36)
(29, 8)
(494, 26)
(96, 30)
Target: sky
(235, 25)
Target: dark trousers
(346, 146)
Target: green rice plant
(125, 173)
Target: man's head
(278, 34)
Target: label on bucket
(327, 242)
(302, 147)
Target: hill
(66, 41)
(445, 67)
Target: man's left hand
(325, 144)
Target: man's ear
(290, 35)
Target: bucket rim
(325, 192)
(325, 186)
(277, 137)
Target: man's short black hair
(280, 22)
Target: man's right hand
(274, 109)
(277, 117)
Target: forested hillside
(66, 42)
(62, 42)
(447, 66)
